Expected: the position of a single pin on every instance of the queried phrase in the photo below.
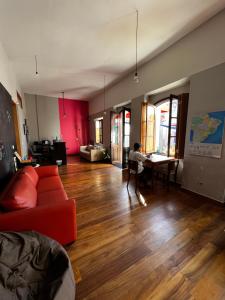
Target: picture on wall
(206, 135)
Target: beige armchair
(92, 154)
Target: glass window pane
(162, 127)
(150, 144)
(127, 129)
(150, 121)
(174, 107)
(173, 129)
(127, 116)
(150, 113)
(163, 140)
(172, 146)
(127, 141)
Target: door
(126, 136)
(116, 138)
(120, 137)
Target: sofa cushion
(47, 171)
(51, 197)
(86, 152)
(31, 173)
(49, 184)
(89, 148)
(9, 185)
(22, 194)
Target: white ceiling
(78, 41)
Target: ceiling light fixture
(63, 105)
(36, 67)
(104, 96)
(136, 76)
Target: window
(99, 131)
(126, 129)
(148, 128)
(164, 125)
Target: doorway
(120, 137)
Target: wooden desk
(156, 160)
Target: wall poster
(206, 135)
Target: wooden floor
(160, 245)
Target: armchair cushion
(31, 173)
(21, 194)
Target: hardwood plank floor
(157, 245)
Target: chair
(170, 169)
(23, 162)
(35, 154)
(133, 166)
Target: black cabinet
(59, 152)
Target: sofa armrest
(96, 154)
(83, 148)
(57, 221)
(46, 171)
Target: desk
(156, 160)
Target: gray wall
(199, 50)
(205, 175)
(48, 116)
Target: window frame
(180, 125)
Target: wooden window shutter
(143, 126)
(182, 121)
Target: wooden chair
(23, 162)
(133, 166)
(167, 171)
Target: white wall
(8, 80)
(201, 49)
(48, 117)
(205, 175)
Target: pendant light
(136, 76)
(36, 67)
(104, 97)
(63, 105)
(37, 119)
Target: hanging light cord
(104, 92)
(36, 64)
(137, 41)
(37, 119)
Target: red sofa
(36, 200)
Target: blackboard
(7, 137)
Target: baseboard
(203, 195)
